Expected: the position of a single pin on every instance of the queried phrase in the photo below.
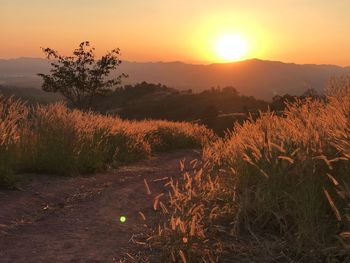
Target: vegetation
(79, 78)
(275, 189)
(31, 96)
(56, 140)
(218, 108)
(279, 102)
(12, 118)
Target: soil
(60, 219)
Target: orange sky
(301, 31)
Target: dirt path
(55, 219)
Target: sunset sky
(300, 31)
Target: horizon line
(200, 63)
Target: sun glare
(231, 47)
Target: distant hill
(30, 95)
(217, 108)
(259, 78)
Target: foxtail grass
(275, 189)
(53, 139)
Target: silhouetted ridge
(253, 77)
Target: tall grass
(56, 140)
(276, 188)
(13, 115)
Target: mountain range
(259, 78)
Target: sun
(231, 47)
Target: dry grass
(273, 190)
(13, 115)
(276, 189)
(56, 140)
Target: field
(53, 139)
(274, 189)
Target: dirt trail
(55, 219)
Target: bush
(168, 136)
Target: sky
(299, 31)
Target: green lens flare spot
(122, 219)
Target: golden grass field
(273, 190)
(56, 140)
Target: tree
(230, 90)
(80, 78)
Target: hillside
(259, 78)
(30, 95)
(274, 189)
(217, 108)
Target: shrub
(168, 136)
